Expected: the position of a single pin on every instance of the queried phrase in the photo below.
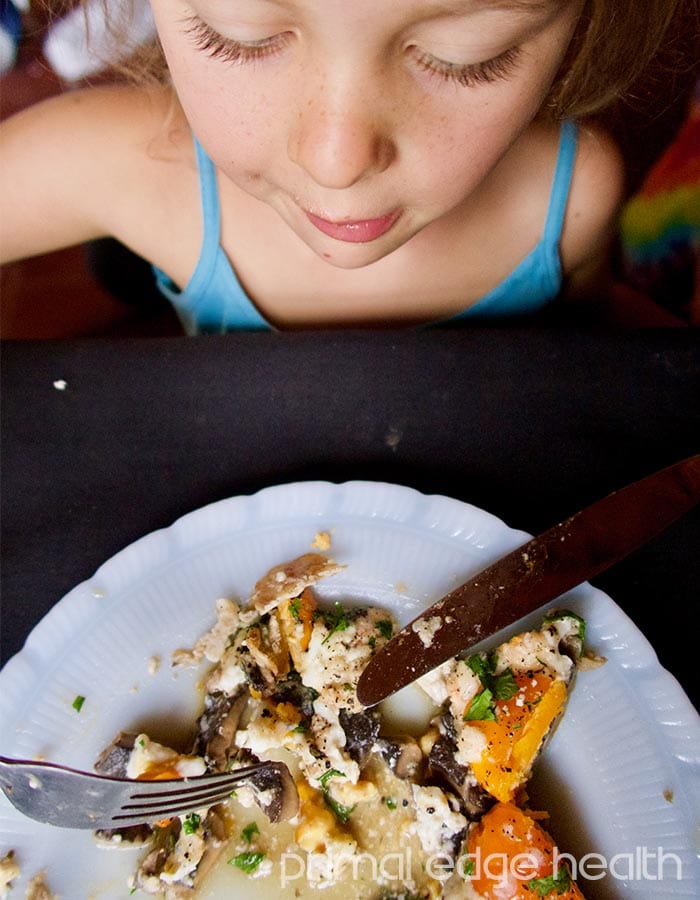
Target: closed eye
(216, 45)
(471, 74)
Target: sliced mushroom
(215, 839)
(253, 674)
(147, 876)
(403, 755)
(217, 728)
(361, 733)
(273, 790)
(113, 762)
(172, 846)
(114, 759)
(293, 690)
(444, 769)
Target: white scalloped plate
(621, 776)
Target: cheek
(231, 116)
(457, 151)
(237, 135)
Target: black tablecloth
(106, 440)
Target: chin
(340, 258)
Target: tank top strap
(211, 211)
(561, 182)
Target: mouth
(357, 232)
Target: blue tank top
(214, 302)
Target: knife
(531, 575)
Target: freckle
(326, 256)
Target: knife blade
(532, 575)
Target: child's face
(362, 122)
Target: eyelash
(473, 73)
(215, 45)
(229, 50)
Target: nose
(341, 134)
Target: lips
(356, 232)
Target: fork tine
(186, 786)
(161, 799)
(157, 805)
(133, 812)
(191, 800)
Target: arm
(45, 190)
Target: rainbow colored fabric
(660, 225)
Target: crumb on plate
(9, 870)
(321, 541)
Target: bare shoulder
(71, 155)
(595, 197)
(596, 192)
(111, 115)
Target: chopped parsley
(295, 609)
(481, 707)
(247, 862)
(504, 686)
(191, 823)
(481, 665)
(561, 882)
(78, 702)
(385, 628)
(330, 773)
(469, 868)
(336, 620)
(341, 812)
(249, 831)
(495, 687)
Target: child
(318, 162)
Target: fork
(58, 795)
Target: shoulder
(110, 117)
(595, 196)
(592, 196)
(592, 202)
(89, 142)
(595, 190)
(111, 160)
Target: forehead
(430, 7)
(361, 18)
(472, 5)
